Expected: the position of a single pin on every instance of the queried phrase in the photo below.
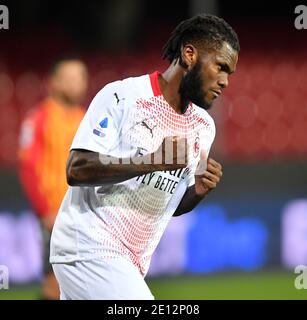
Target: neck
(169, 83)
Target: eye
(224, 67)
(220, 67)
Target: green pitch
(264, 285)
(240, 286)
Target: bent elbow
(73, 170)
(71, 181)
(80, 168)
(70, 176)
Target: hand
(172, 153)
(207, 175)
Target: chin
(205, 105)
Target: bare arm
(189, 201)
(85, 168)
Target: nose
(223, 81)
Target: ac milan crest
(196, 147)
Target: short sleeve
(99, 129)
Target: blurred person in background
(46, 135)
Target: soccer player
(126, 181)
(46, 135)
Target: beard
(191, 88)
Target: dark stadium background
(245, 240)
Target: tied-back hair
(204, 30)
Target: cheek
(210, 76)
(207, 83)
(75, 84)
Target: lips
(216, 92)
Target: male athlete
(126, 179)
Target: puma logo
(117, 98)
(144, 124)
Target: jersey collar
(155, 83)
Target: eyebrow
(220, 60)
(226, 67)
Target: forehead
(227, 53)
(70, 66)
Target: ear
(189, 56)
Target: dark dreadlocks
(204, 30)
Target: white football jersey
(128, 118)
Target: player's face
(204, 82)
(70, 81)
